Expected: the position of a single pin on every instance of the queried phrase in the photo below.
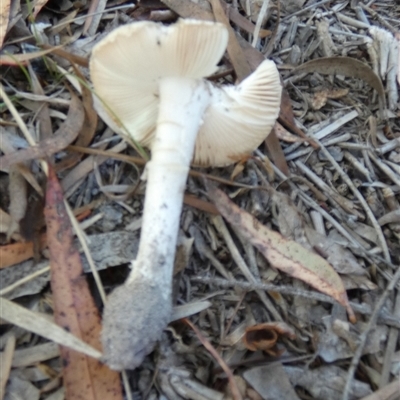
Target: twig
(305, 9)
(24, 280)
(234, 388)
(390, 347)
(260, 18)
(284, 289)
(361, 199)
(363, 338)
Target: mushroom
(150, 79)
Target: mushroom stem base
(137, 312)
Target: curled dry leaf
(264, 336)
(283, 254)
(74, 307)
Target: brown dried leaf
(74, 307)
(320, 98)
(286, 118)
(235, 52)
(283, 134)
(65, 134)
(243, 23)
(200, 204)
(346, 66)
(276, 152)
(283, 254)
(16, 253)
(72, 58)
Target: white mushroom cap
(239, 120)
(127, 65)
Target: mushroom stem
(138, 311)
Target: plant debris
(286, 282)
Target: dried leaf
(64, 135)
(4, 17)
(276, 152)
(39, 4)
(94, 16)
(200, 204)
(72, 58)
(286, 118)
(321, 97)
(74, 307)
(271, 382)
(22, 59)
(189, 9)
(346, 66)
(283, 134)
(243, 23)
(233, 386)
(283, 254)
(235, 52)
(41, 325)
(326, 382)
(15, 253)
(341, 259)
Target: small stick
(364, 335)
(234, 388)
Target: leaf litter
(331, 189)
